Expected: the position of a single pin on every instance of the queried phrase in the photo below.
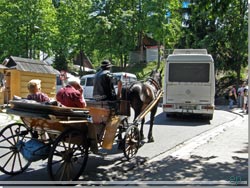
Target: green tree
(71, 36)
(113, 29)
(25, 27)
(220, 27)
(163, 19)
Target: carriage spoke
(132, 140)
(6, 139)
(5, 154)
(63, 144)
(63, 171)
(11, 131)
(20, 161)
(59, 169)
(22, 138)
(13, 163)
(8, 160)
(56, 162)
(69, 170)
(10, 136)
(67, 159)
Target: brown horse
(140, 95)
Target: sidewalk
(209, 160)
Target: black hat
(106, 64)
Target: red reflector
(208, 107)
(168, 106)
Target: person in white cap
(72, 94)
(103, 85)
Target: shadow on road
(184, 120)
(195, 168)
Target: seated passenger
(34, 87)
(71, 95)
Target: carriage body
(66, 134)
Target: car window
(58, 81)
(129, 79)
(132, 79)
(90, 82)
(83, 81)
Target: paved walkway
(6, 119)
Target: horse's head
(156, 76)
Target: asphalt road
(169, 135)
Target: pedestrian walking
(240, 93)
(232, 96)
(245, 101)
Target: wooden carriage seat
(99, 110)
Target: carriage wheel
(131, 141)
(11, 136)
(68, 156)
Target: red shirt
(38, 97)
(70, 97)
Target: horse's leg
(141, 130)
(137, 112)
(152, 118)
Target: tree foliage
(112, 29)
(25, 27)
(220, 27)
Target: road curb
(225, 108)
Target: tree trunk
(141, 59)
(159, 55)
(238, 70)
(81, 63)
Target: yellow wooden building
(19, 71)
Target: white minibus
(87, 82)
(189, 83)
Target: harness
(152, 81)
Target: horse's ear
(152, 72)
(161, 70)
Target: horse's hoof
(151, 140)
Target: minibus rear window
(189, 72)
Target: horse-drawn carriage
(65, 136)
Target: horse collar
(154, 83)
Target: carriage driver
(103, 85)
